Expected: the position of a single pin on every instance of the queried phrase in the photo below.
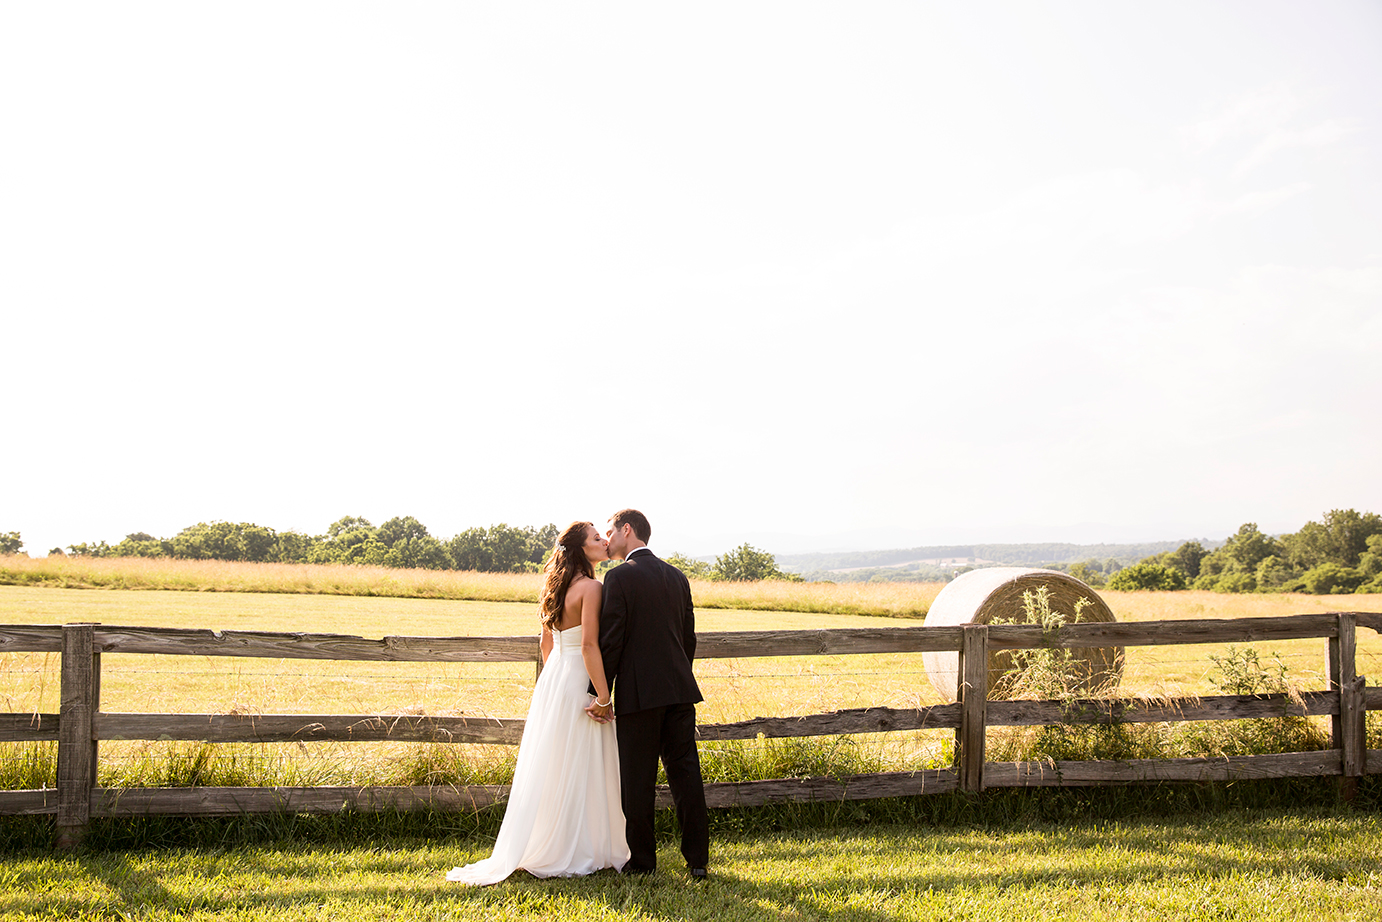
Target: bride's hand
(598, 713)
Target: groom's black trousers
(668, 733)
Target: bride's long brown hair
(566, 561)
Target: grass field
(903, 600)
(1002, 858)
(734, 689)
(1239, 865)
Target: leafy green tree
(541, 541)
(293, 546)
(747, 564)
(469, 551)
(1273, 573)
(1144, 575)
(98, 549)
(1330, 579)
(1249, 547)
(224, 541)
(410, 546)
(404, 528)
(694, 569)
(1233, 567)
(509, 546)
(1089, 572)
(142, 544)
(10, 542)
(1370, 566)
(1187, 557)
(502, 548)
(346, 524)
(1341, 537)
(1370, 563)
(349, 540)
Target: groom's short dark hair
(633, 517)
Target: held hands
(600, 713)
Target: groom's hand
(600, 714)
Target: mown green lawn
(1239, 865)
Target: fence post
(973, 693)
(1348, 725)
(81, 670)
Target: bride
(563, 816)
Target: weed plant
(1241, 672)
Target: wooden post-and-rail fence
(80, 724)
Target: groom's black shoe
(697, 873)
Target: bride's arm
(590, 638)
(545, 643)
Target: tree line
(401, 542)
(1341, 553)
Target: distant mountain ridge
(1023, 555)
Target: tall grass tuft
(791, 757)
(439, 764)
(28, 766)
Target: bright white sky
(807, 275)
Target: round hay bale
(995, 593)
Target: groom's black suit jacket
(648, 634)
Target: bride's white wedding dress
(563, 816)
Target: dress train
(563, 817)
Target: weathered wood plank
(1133, 771)
(28, 803)
(279, 728)
(856, 720)
(1369, 619)
(282, 728)
(1130, 710)
(1162, 633)
(1372, 697)
(1353, 717)
(973, 688)
(28, 728)
(1374, 762)
(76, 752)
(826, 642)
(710, 645)
(232, 801)
(813, 790)
(30, 638)
(1340, 669)
(292, 645)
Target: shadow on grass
(839, 873)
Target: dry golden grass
(343, 600)
(908, 600)
(234, 576)
(1182, 670)
(735, 689)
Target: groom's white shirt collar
(635, 551)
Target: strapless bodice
(567, 642)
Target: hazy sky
(810, 275)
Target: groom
(647, 640)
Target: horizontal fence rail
(80, 724)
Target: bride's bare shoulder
(584, 584)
